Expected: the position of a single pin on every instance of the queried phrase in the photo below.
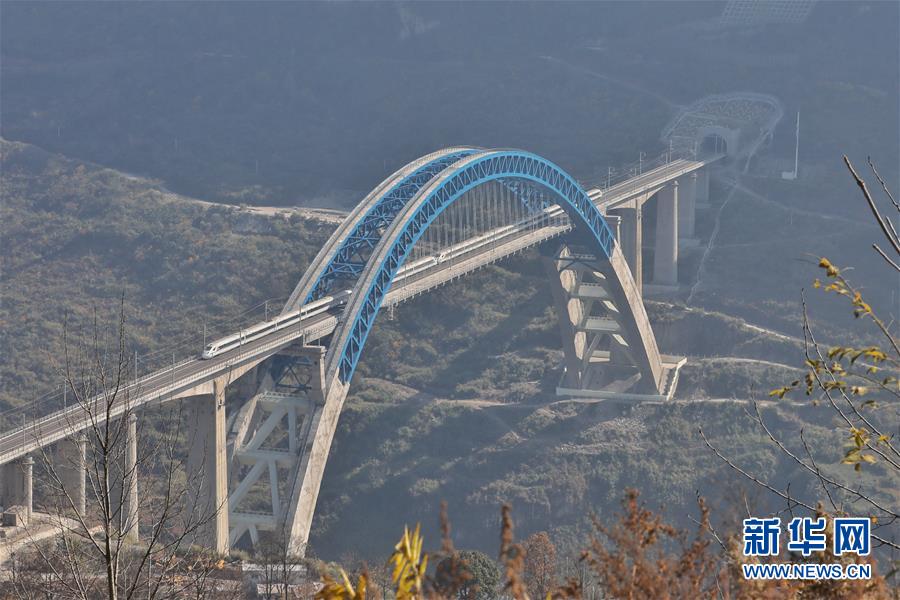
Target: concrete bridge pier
(665, 256)
(315, 356)
(702, 190)
(123, 484)
(17, 488)
(563, 285)
(70, 459)
(687, 197)
(614, 220)
(208, 469)
(312, 447)
(130, 483)
(601, 338)
(631, 237)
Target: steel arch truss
(441, 192)
(345, 254)
(528, 193)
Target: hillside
(76, 237)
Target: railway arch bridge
(435, 220)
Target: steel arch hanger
(378, 207)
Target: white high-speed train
(423, 264)
(339, 299)
(278, 323)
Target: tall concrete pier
(665, 258)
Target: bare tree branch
(883, 184)
(891, 237)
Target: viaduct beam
(192, 376)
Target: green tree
(483, 575)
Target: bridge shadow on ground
(455, 345)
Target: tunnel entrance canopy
(736, 124)
(712, 144)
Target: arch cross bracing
(465, 174)
(342, 255)
(429, 187)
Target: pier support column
(630, 239)
(130, 503)
(687, 196)
(563, 283)
(317, 381)
(28, 485)
(615, 223)
(665, 256)
(702, 190)
(208, 468)
(123, 482)
(16, 487)
(70, 467)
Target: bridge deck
(647, 182)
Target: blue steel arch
(368, 230)
(441, 192)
